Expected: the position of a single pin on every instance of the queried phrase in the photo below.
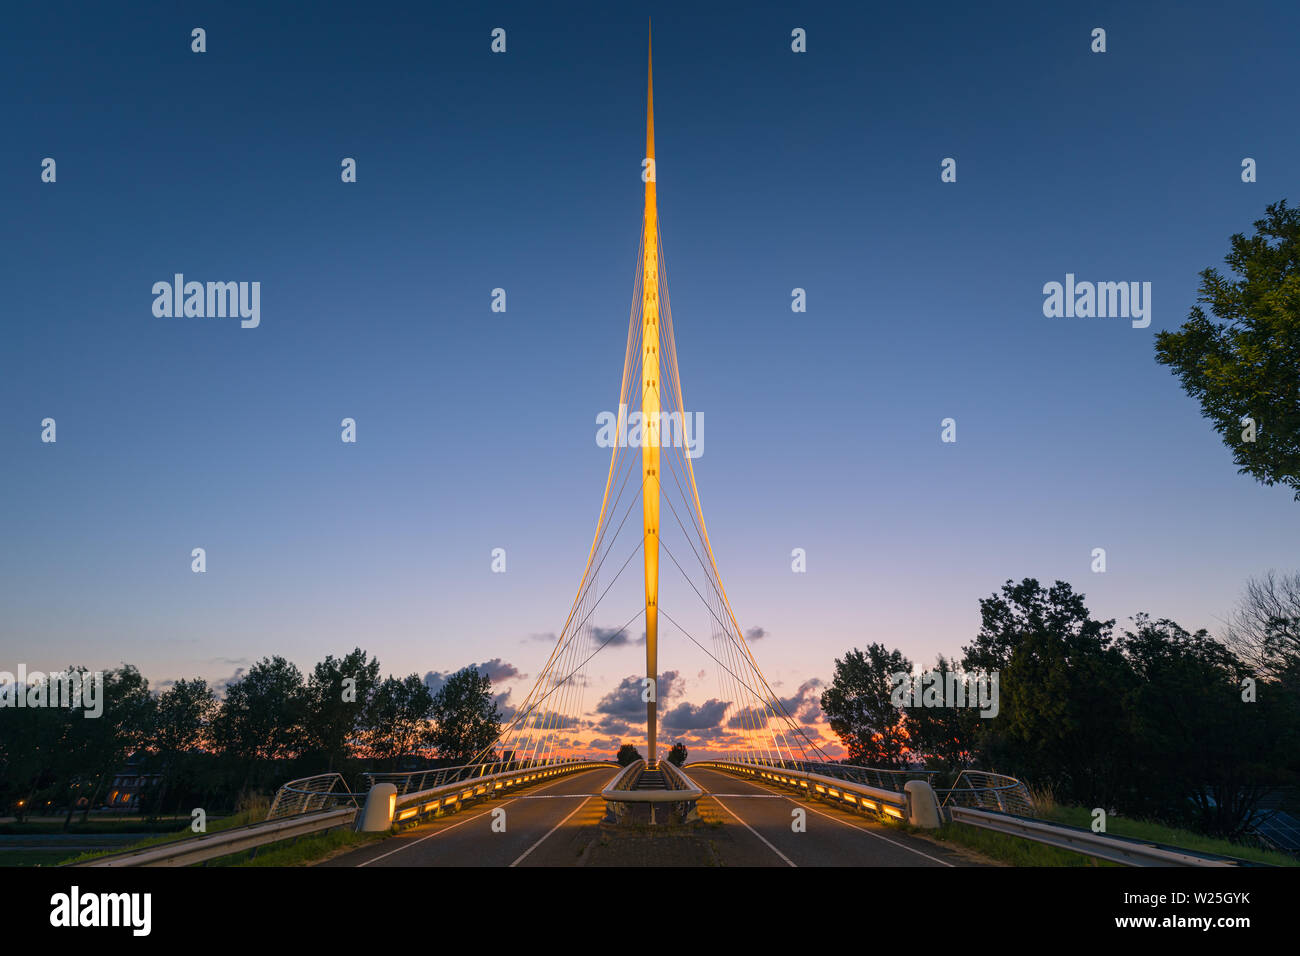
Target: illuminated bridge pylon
(651, 434)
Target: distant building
(126, 788)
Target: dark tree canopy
(677, 755)
(1062, 680)
(263, 714)
(397, 719)
(860, 708)
(945, 735)
(628, 754)
(339, 691)
(466, 721)
(1245, 362)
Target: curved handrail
(988, 791)
(311, 794)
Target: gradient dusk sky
(476, 429)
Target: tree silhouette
(859, 705)
(466, 721)
(1247, 365)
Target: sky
(476, 429)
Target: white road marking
(800, 803)
(552, 830)
(753, 831)
(477, 816)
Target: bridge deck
(742, 824)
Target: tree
(1247, 365)
(1198, 745)
(945, 735)
(181, 716)
(860, 708)
(1062, 684)
(1264, 630)
(262, 716)
(98, 745)
(628, 754)
(677, 755)
(338, 693)
(398, 717)
(466, 722)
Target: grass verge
(303, 851)
(1171, 836)
(1017, 851)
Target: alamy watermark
(946, 689)
(212, 300)
(1102, 300)
(632, 430)
(62, 689)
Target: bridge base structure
(661, 795)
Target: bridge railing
(414, 781)
(324, 791)
(626, 778)
(385, 807)
(982, 790)
(885, 801)
(894, 780)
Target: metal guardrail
(414, 804)
(201, 849)
(886, 802)
(414, 781)
(872, 776)
(324, 791)
(1125, 850)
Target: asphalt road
(546, 825)
(830, 836)
(743, 824)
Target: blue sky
(521, 171)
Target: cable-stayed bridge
(536, 796)
(544, 783)
(651, 477)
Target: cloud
(495, 670)
(551, 720)
(222, 684)
(805, 707)
(748, 718)
(806, 704)
(498, 670)
(616, 637)
(436, 680)
(505, 709)
(687, 716)
(625, 700)
(755, 633)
